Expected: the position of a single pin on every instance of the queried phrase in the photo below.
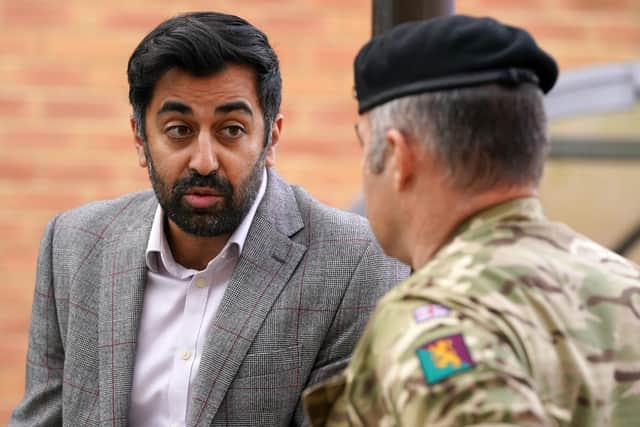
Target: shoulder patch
(444, 357)
(429, 311)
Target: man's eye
(233, 131)
(178, 131)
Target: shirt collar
(158, 253)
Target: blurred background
(65, 137)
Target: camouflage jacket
(515, 321)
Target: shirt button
(201, 282)
(185, 355)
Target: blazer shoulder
(326, 220)
(352, 233)
(99, 216)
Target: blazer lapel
(121, 294)
(267, 261)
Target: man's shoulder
(322, 218)
(344, 237)
(96, 215)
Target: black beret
(448, 52)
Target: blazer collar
(280, 207)
(267, 262)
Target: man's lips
(202, 197)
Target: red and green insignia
(444, 357)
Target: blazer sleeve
(374, 275)
(42, 401)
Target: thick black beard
(217, 220)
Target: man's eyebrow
(174, 106)
(233, 106)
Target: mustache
(214, 181)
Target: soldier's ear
(401, 158)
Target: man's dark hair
(201, 44)
(483, 136)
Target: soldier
(509, 318)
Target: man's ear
(276, 129)
(142, 159)
(401, 158)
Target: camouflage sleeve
(320, 400)
(434, 366)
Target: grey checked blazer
(297, 302)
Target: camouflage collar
(526, 208)
(520, 209)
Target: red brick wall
(65, 139)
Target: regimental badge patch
(429, 311)
(444, 357)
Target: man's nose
(204, 159)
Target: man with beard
(218, 299)
(509, 319)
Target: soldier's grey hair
(482, 136)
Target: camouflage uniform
(516, 321)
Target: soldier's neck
(434, 226)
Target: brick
(17, 171)
(34, 13)
(138, 20)
(19, 232)
(349, 29)
(11, 388)
(364, 6)
(112, 76)
(607, 6)
(80, 110)
(14, 350)
(626, 34)
(14, 320)
(12, 385)
(40, 202)
(304, 27)
(10, 233)
(490, 7)
(320, 146)
(13, 106)
(336, 57)
(85, 170)
(120, 142)
(7, 408)
(562, 31)
(52, 75)
(97, 49)
(22, 44)
(333, 116)
(291, 116)
(35, 138)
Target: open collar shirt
(179, 304)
